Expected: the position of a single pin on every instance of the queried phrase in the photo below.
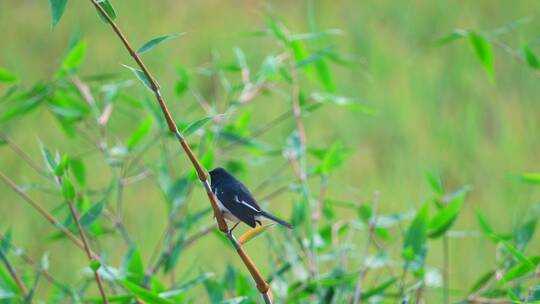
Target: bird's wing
(239, 202)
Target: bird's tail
(275, 219)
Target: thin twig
(27, 259)
(363, 269)
(20, 152)
(87, 249)
(50, 218)
(15, 275)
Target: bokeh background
(435, 111)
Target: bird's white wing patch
(249, 206)
(236, 199)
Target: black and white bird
(236, 202)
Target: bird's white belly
(226, 213)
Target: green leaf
(278, 31)
(533, 178)
(176, 193)
(482, 281)
(57, 10)
(140, 133)
(154, 42)
(5, 243)
(68, 190)
(75, 56)
(79, 170)
(133, 265)
(379, 289)
(21, 108)
(483, 51)
(196, 125)
(435, 183)
(443, 220)
(141, 76)
(62, 166)
(144, 294)
(90, 216)
(455, 35)
(325, 76)
(333, 158)
(186, 286)
(524, 233)
(48, 158)
(7, 76)
(414, 245)
(107, 6)
(516, 252)
(520, 270)
(183, 81)
(530, 58)
(95, 265)
(484, 225)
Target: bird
(236, 202)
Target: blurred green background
(435, 110)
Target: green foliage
(154, 42)
(140, 133)
(483, 51)
(107, 6)
(57, 10)
(141, 76)
(7, 76)
(415, 245)
(339, 246)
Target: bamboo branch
(27, 259)
(262, 286)
(87, 249)
(15, 275)
(372, 225)
(49, 217)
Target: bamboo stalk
(87, 250)
(262, 286)
(15, 275)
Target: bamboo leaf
(68, 190)
(186, 286)
(531, 58)
(483, 51)
(90, 216)
(533, 178)
(7, 76)
(196, 125)
(109, 9)
(154, 42)
(443, 220)
(455, 35)
(140, 133)
(144, 294)
(141, 76)
(520, 270)
(57, 10)
(79, 170)
(75, 56)
(414, 245)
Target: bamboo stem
(203, 177)
(15, 275)
(86, 246)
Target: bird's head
(218, 173)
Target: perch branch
(262, 286)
